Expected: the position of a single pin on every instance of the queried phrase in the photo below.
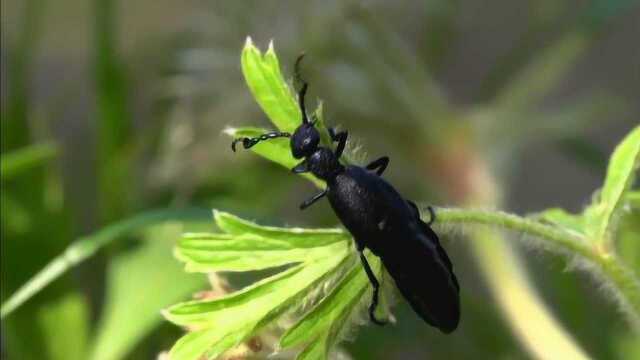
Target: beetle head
(304, 140)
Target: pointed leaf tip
(231, 132)
(602, 221)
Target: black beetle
(379, 219)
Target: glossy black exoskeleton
(379, 219)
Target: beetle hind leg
(376, 290)
(432, 212)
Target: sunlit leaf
(224, 323)
(84, 247)
(627, 241)
(564, 219)
(262, 73)
(140, 283)
(633, 198)
(70, 314)
(602, 217)
(13, 214)
(320, 328)
(298, 237)
(269, 88)
(223, 252)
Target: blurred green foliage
(111, 109)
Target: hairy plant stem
(618, 276)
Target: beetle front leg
(376, 289)
(313, 199)
(302, 167)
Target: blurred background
(114, 108)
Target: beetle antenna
(303, 89)
(249, 142)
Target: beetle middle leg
(376, 289)
(313, 199)
(379, 165)
(340, 138)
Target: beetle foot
(372, 316)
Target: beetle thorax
(324, 164)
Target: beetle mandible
(379, 219)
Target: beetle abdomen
(424, 275)
(380, 219)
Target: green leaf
(316, 350)
(68, 314)
(85, 247)
(140, 283)
(200, 313)
(323, 327)
(564, 219)
(263, 76)
(262, 73)
(226, 322)
(334, 308)
(627, 242)
(17, 161)
(224, 252)
(210, 340)
(601, 217)
(633, 198)
(15, 217)
(300, 237)
(196, 312)
(249, 246)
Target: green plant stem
(86, 246)
(627, 285)
(621, 279)
(572, 242)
